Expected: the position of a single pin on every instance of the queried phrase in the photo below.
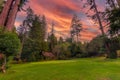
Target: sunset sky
(61, 12)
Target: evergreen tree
(76, 27)
(98, 18)
(114, 20)
(52, 40)
(24, 28)
(34, 44)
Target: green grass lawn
(78, 69)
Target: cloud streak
(61, 12)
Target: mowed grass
(78, 69)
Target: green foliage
(9, 43)
(113, 45)
(75, 49)
(76, 27)
(62, 51)
(96, 46)
(114, 18)
(52, 40)
(32, 50)
(34, 42)
(69, 40)
(65, 50)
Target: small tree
(9, 45)
(34, 37)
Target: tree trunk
(102, 29)
(22, 43)
(5, 12)
(98, 17)
(12, 16)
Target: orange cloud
(61, 12)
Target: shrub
(9, 45)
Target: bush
(62, 51)
(113, 47)
(9, 45)
(76, 49)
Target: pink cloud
(61, 12)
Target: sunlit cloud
(61, 12)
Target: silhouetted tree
(76, 27)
